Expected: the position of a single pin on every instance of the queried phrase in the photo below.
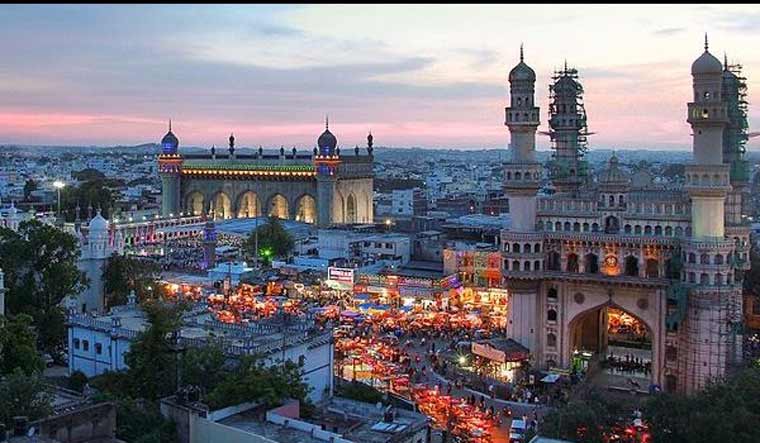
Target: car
(517, 431)
(48, 359)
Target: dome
(522, 72)
(170, 141)
(98, 224)
(613, 173)
(327, 142)
(706, 64)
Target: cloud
(668, 31)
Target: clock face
(611, 261)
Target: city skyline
(114, 75)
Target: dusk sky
(431, 76)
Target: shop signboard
(488, 352)
(341, 275)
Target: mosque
(616, 260)
(326, 186)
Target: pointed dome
(98, 224)
(613, 174)
(327, 141)
(706, 63)
(522, 72)
(170, 142)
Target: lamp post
(58, 184)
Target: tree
(274, 240)
(26, 395)
(40, 264)
(585, 418)
(124, 273)
(95, 193)
(88, 174)
(203, 367)
(151, 361)
(18, 346)
(29, 187)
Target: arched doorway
(620, 342)
(222, 206)
(351, 209)
(195, 203)
(248, 205)
(306, 209)
(278, 207)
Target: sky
(415, 75)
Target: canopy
(363, 296)
(551, 378)
(350, 314)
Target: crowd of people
(628, 365)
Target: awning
(551, 378)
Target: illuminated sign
(342, 275)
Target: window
(552, 294)
(551, 340)
(301, 360)
(572, 263)
(76, 343)
(551, 315)
(98, 348)
(85, 345)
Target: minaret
(2, 293)
(209, 243)
(170, 168)
(326, 163)
(710, 338)
(522, 174)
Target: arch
(515, 265)
(557, 226)
(553, 261)
(611, 225)
(679, 231)
(551, 315)
(537, 265)
(222, 206)
(279, 207)
(628, 229)
(591, 262)
(527, 248)
(704, 259)
(552, 293)
(572, 263)
(567, 226)
(540, 226)
(306, 209)
(637, 230)
(658, 230)
(586, 227)
(526, 266)
(668, 231)
(595, 227)
(195, 203)
(516, 247)
(351, 209)
(551, 340)
(631, 266)
(537, 248)
(692, 257)
(718, 259)
(647, 230)
(248, 205)
(652, 268)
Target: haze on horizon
(416, 75)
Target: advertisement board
(341, 275)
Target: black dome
(327, 141)
(170, 140)
(522, 72)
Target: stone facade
(672, 257)
(326, 186)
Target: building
(98, 343)
(666, 264)
(408, 202)
(325, 186)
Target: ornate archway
(194, 203)
(351, 209)
(306, 209)
(278, 206)
(222, 206)
(248, 205)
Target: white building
(97, 247)
(99, 343)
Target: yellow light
(462, 360)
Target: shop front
(503, 357)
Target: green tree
(274, 240)
(40, 264)
(18, 346)
(152, 364)
(29, 186)
(203, 367)
(96, 193)
(26, 395)
(88, 174)
(124, 273)
(585, 418)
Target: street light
(58, 186)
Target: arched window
(647, 230)
(553, 261)
(515, 265)
(704, 259)
(537, 265)
(572, 263)
(668, 231)
(595, 227)
(516, 247)
(592, 263)
(586, 227)
(692, 257)
(567, 226)
(658, 230)
(540, 226)
(552, 294)
(526, 248)
(537, 248)
(611, 225)
(719, 259)
(692, 277)
(506, 264)
(551, 340)
(628, 229)
(577, 227)
(679, 231)
(719, 279)
(704, 279)
(653, 268)
(526, 266)
(612, 200)
(557, 226)
(631, 266)
(551, 315)
(637, 230)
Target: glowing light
(59, 184)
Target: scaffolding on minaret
(736, 134)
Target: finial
(521, 52)
(565, 65)
(725, 61)
(706, 42)
(327, 122)
(170, 125)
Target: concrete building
(99, 343)
(408, 202)
(325, 187)
(672, 260)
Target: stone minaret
(2, 293)
(326, 162)
(169, 168)
(710, 340)
(209, 243)
(522, 174)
